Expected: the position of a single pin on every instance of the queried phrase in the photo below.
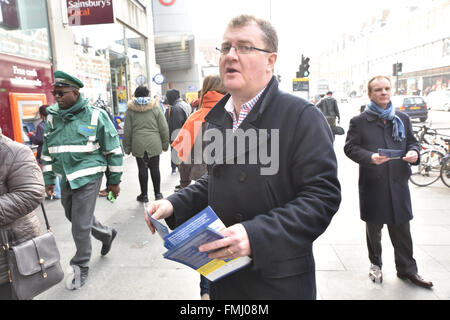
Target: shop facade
(108, 45)
(26, 74)
(425, 81)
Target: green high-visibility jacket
(79, 144)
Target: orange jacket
(184, 142)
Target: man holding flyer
(272, 214)
(381, 141)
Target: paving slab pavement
(135, 269)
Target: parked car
(438, 100)
(414, 106)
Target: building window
(23, 32)
(446, 47)
(111, 60)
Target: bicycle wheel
(429, 169)
(445, 171)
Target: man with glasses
(80, 143)
(271, 217)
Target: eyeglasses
(60, 93)
(241, 49)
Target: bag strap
(4, 239)
(45, 217)
(4, 233)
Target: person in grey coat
(146, 135)
(383, 182)
(274, 207)
(329, 107)
(21, 191)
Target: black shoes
(416, 279)
(107, 245)
(142, 198)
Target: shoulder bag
(338, 130)
(34, 265)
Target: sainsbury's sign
(84, 12)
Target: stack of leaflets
(391, 153)
(183, 243)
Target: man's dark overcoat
(384, 196)
(283, 213)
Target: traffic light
(303, 68)
(305, 64)
(397, 69)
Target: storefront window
(137, 55)
(436, 83)
(111, 62)
(23, 32)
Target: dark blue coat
(283, 213)
(384, 196)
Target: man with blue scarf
(383, 182)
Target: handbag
(34, 265)
(338, 130)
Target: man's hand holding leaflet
(161, 229)
(390, 153)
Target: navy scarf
(388, 114)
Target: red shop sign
(84, 12)
(23, 77)
(167, 3)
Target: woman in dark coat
(383, 182)
(176, 117)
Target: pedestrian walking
(212, 92)
(37, 138)
(383, 182)
(329, 107)
(21, 191)
(80, 142)
(100, 103)
(193, 129)
(146, 135)
(176, 116)
(271, 215)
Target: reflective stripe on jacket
(79, 145)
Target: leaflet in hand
(183, 243)
(391, 153)
(161, 229)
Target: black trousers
(144, 164)
(401, 240)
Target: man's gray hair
(270, 34)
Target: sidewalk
(342, 262)
(136, 270)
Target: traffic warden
(80, 143)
